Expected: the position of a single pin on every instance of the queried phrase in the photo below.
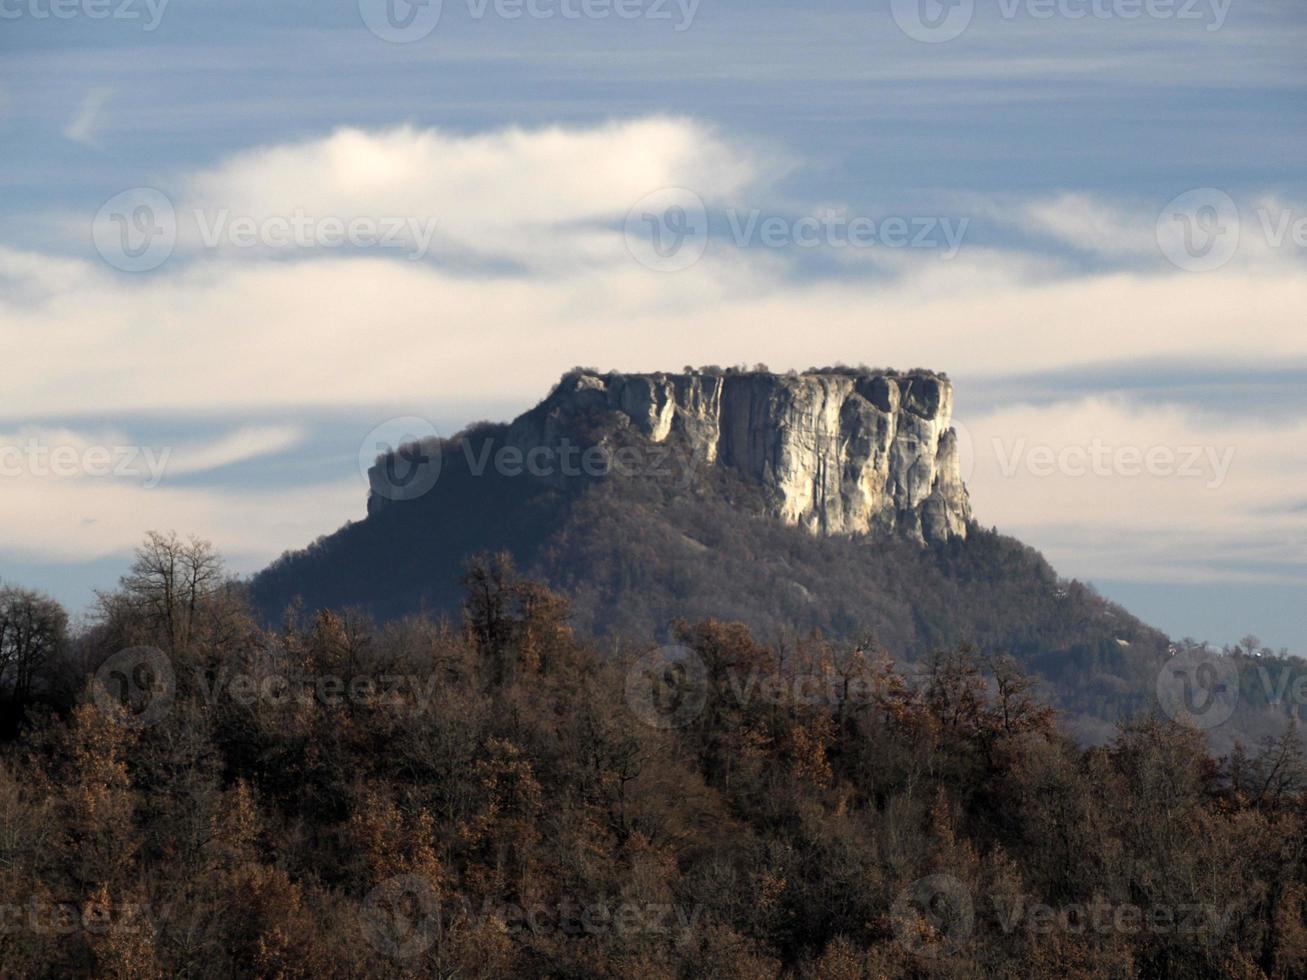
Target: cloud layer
(530, 271)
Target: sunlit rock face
(835, 452)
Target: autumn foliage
(478, 799)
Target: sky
(238, 237)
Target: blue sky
(1055, 143)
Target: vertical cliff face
(834, 452)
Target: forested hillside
(192, 794)
(635, 549)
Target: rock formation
(836, 451)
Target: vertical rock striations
(835, 452)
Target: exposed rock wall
(835, 452)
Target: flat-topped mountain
(835, 452)
(829, 500)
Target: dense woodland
(184, 792)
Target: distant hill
(825, 501)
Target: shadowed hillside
(647, 532)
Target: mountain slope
(644, 514)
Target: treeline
(191, 794)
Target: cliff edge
(836, 452)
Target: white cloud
(79, 520)
(1092, 225)
(236, 447)
(1110, 488)
(82, 127)
(1145, 233)
(220, 332)
(354, 330)
(83, 494)
(531, 195)
(63, 453)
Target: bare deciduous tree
(33, 627)
(166, 587)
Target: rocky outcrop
(835, 452)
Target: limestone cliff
(835, 452)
